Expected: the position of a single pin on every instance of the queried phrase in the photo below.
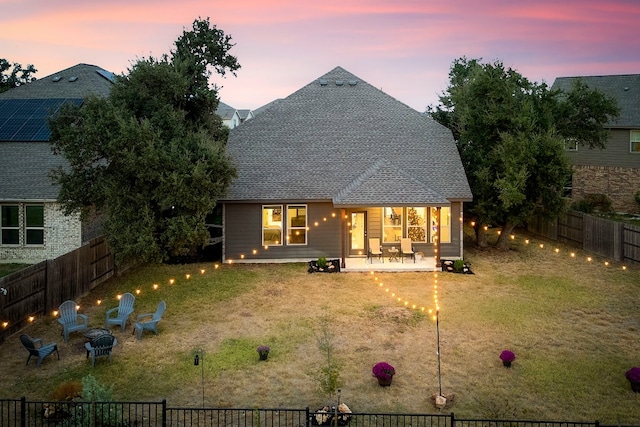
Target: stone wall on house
(619, 184)
(62, 234)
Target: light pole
(199, 360)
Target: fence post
(23, 411)
(308, 416)
(164, 412)
(453, 420)
(597, 423)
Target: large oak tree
(151, 156)
(510, 133)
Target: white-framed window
(417, 224)
(272, 225)
(10, 225)
(634, 145)
(34, 224)
(445, 224)
(391, 224)
(571, 144)
(296, 224)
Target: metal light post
(199, 360)
(438, 339)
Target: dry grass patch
(572, 324)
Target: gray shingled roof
(624, 88)
(225, 111)
(340, 139)
(25, 166)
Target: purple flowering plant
(507, 356)
(263, 349)
(633, 375)
(383, 371)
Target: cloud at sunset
(405, 48)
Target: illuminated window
(445, 224)
(417, 224)
(34, 224)
(272, 225)
(391, 225)
(10, 225)
(296, 225)
(635, 141)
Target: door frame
(351, 252)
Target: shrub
(600, 202)
(322, 262)
(383, 371)
(458, 264)
(67, 391)
(633, 375)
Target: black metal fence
(23, 413)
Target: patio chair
(375, 249)
(120, 314)
(149, 321)
(406, 249)
(71, 320)
(36, 347)
(101, 346)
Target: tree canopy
(510, 133)
(151, 156)
(18, 75)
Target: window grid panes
(10, 225)
(635, 141)
(34, 224)
(272, 225)
(417, 224)
(445, 224)
(296, 224)
(392, 224)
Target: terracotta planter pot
(384, 383)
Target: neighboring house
(33, 228)
(615, 170)
(334, 164)
(229, 115)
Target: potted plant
(384, 372)
(263, 351)
(633, 375)
(507, 356)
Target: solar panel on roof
(26, 119)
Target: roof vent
(56, 79)
(339, 82)
(626, 88)
(353, 82)
(323, 82)
(73, 78)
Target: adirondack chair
(120, 314)
(406, 249)
(71, 320)
(100, 346)
(36, 347)
(375, 249)
(149, 321)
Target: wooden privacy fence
(41, 288)
(617, 241)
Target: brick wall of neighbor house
(62, 234)
(619, 184)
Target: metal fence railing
(23, 413)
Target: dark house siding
(616, 153)
(243, 234)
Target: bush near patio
(572, 323)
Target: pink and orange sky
(404, 47)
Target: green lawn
(573, 325)
(8, 268)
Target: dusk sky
(404, 47)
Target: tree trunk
(505, 236)
(481, 236)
